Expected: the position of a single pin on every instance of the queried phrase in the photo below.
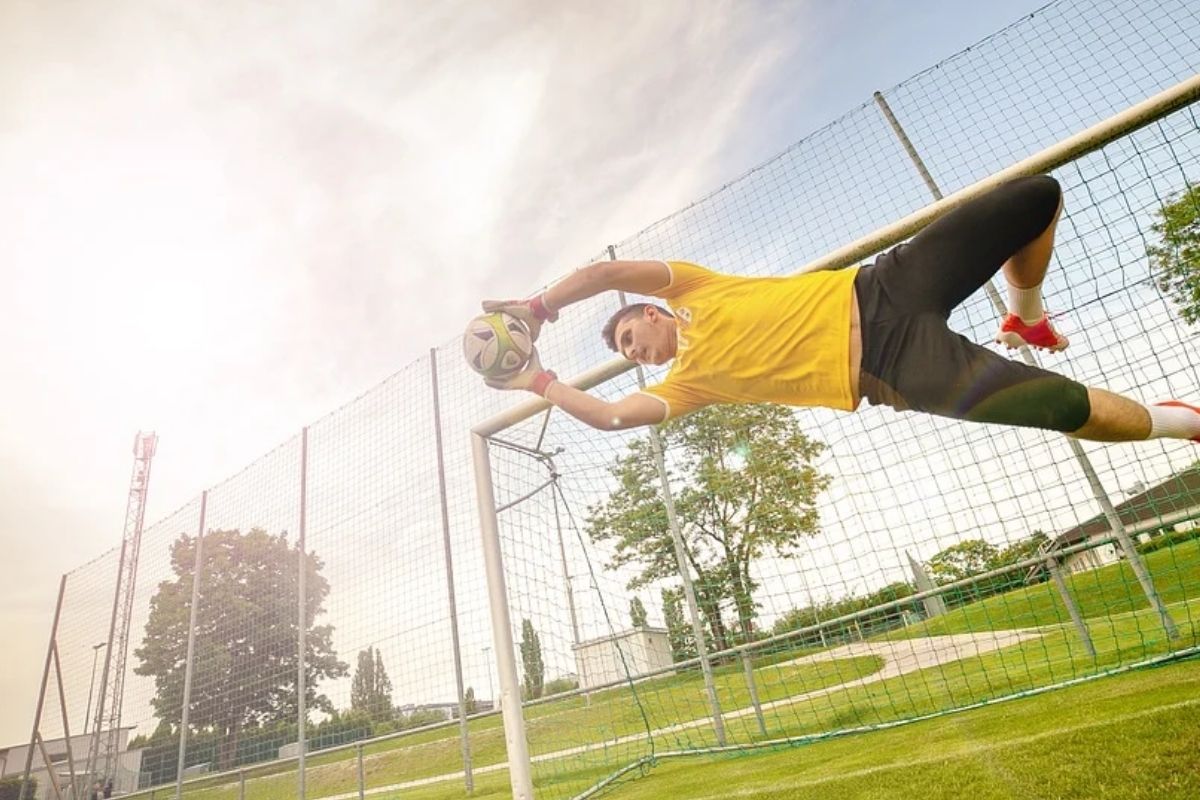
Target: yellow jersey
(757, 340)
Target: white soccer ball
(497, 345)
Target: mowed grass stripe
(1134, 736)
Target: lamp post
(91, 685)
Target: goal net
(850, 571)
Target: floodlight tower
(106, 732)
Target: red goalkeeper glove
(533, 312)
(532, 378)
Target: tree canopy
(371, 689)
(637, 613)
(245, 660)
(1176, 257)
(745, 486)
(531, 661)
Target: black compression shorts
(911, 360)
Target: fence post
(1110, 513)
(37, 714)
(188, 668)
(302, 621)
(752, 687)
(463, 732)
(685, 574)
(94, 743)
(1072, 607)
(361, 778)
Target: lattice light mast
(105, 741)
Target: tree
(245, 660)
(637, 613)
(745, 486)
(10, 788)
(531, 660)
(470, 705)
(371, 689)
(1176, 258)
(679, 632)
(963, 560)
(1022, 549)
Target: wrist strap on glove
(541, 311)
(542, 381)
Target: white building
(1174, 503)
(613, 658)
(62, 759)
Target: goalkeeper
(834, 338)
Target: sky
(222, 220)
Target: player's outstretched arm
(640, 277)
(628, 412)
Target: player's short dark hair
(609, 331)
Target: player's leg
(1026, 321)
(1010, 227)
(1114, 418)
(917, 363)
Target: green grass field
(1068, 735)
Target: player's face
(648, 338)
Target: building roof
(1174, 500)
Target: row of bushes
(865, 626)
(160, 756)
(1168, 540)
(10, 788)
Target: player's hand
(533, 312)
(532, 378)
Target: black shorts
(912, 360)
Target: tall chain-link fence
(385, 679)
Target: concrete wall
(630, 653)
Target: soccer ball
(497, 345)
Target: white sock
(1026, 303)
(1173, 422)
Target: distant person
(834, 338)
(108, 788)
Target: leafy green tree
(745, 486)
(470, 704)
(371, 689)
(963, 560)
(679, 632)
(1022, 549)
(1176, 257)
(245, 660)
(637, 613)
(10, 788)
(531, 660)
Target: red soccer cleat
(1177, 404)
(1014, 332)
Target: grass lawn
(613, 723)
(1135, 735)
(1100, 592)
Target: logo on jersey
(683, 320)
